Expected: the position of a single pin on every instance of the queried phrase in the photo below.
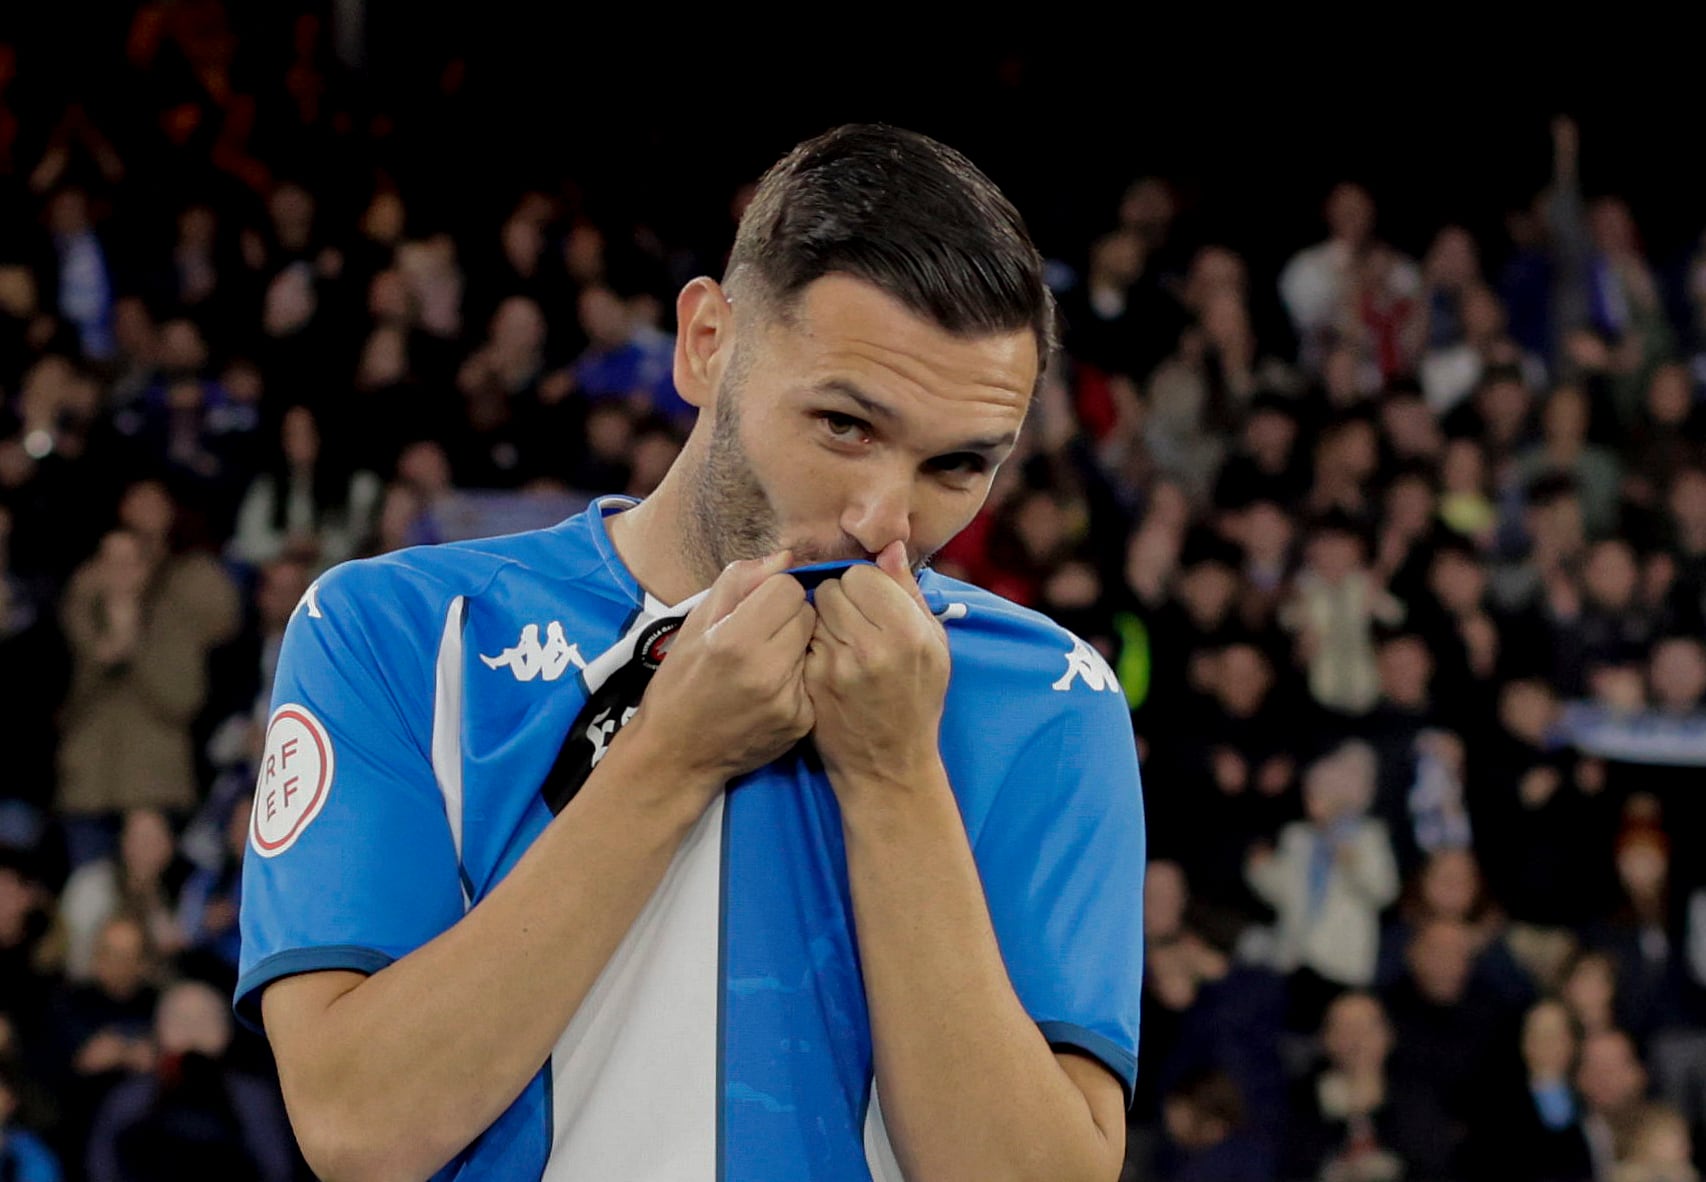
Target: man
(1612, 1081)
(684, 944)
(1349, 283)
(191, 1106)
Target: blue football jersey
(421, 702)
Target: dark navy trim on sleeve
(1105, 1050)
(293, 961)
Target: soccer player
(616, 851)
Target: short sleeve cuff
(293, 961)
(1104, 1050)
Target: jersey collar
(601, 509)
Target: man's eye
(843, 426)
(965, 463)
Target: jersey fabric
(422, 698)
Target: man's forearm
(417, 1060)
(969, 1086)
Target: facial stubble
(733, 518)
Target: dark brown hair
(900, 211)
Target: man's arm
(968, 1084)
(388, 1076)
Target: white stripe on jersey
(634, 1077)
(447, 728)
(879, 1151)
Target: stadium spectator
(1613, 1087)
(1205, 1010)
(1447, 1024)
(1348, 1118)
(26, 907)
(1533, 1122)
(308, 501)
(1335, 606)
(1209, 1135)
(1565, 448)
(1658, 1148)
(140, 623)
(207, 903)
(626, 357)
(132, 883)
(189, 1106)
(1327, 880)
(99, 1031)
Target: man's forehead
(841, 321)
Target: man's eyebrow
(881, 410)
(845, 388)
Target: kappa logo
(529, 659)
(310, 600)
(1087, 664)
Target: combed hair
(900, 211)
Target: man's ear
(704, 340)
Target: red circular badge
(294, 778)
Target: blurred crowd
(1399, 554)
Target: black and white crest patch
(616, 681)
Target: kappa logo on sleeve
(528, 659)
(310, 600)
(1085, 663)
(295, 777)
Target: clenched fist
(877, 674)
(730, 697)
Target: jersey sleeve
(1062, 858)
(350, 862)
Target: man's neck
(651, 540)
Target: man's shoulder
(397, 585)
(425, 579)
(972, 612)
(1012, 649)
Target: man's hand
(729, 697)
(877, 674)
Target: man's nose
(880, 514)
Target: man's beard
(733, 518)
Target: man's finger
(892, 562)
(836, 614)
(738, 580)
(798, 631)
(791, 633)
(879, 598)
(766, 610)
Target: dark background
(1254, 118)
